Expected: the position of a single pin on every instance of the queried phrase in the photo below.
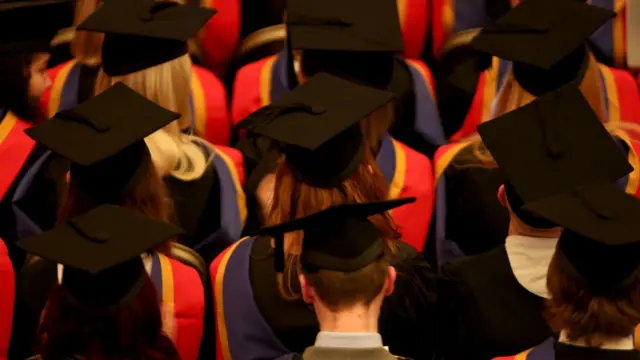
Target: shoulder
(252, 70)
(478, 267)
(232, 158)
(242, 246)
(207, 77)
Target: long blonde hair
(86, 46)
(169, 85)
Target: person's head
(333, 292)
(128, 332)
(585, 316)
(24, 83)
(168, 85)
(529, 226)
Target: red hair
(130, 332)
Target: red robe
(15, 147)
(219, 37)
(414, 19)
(208, 101)
(7, 280)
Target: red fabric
(52, 73)
(14, 151)
(218, 126)
(237, 158)
(220, 35)
(438, 31)
(246, 90)
(628, 95)
(189, 309)
(505, 357)
(414, 29)
(213, 270)
(6, 300)
(474, 116)
(414, 219)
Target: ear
(389, 284)
(502, 197)
(307, 291)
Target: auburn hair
(586, 317)
(130, 332)
(294, 199)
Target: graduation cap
(104, 137)
(601, 240)
(340, 238)
(546, 40)
(318, 124)
(29, 25)
(101, 252)
(144, 33)
(551, 146)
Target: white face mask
(529, 258)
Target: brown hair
(294, 199)
(582, 316)
(339, 290)
(376, 125)
(86, 46)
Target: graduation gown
(254, 322)
(18, 153)
(218, 39)
(212, 210)
(485, 311)
(450, 17)
(7, 279)
(74, 83)
(180, 291)
(553, 350)
(417, 121)
(621, 96)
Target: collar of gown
(348, 340)
(617, 344)
(529, 258)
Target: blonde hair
(179, 155)
(86, 46)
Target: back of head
(168, 85)
(133, 331)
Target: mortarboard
(601, 240)
(340, 238)
(100, 250)
(144, 33)
(319, 125)
(104, 137)
(552, 145)
(546, 40)
(29, 25)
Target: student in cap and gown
(325, 163)
(145, 47)
(74, 81)
(593, 276)
(346, 274)
(103, 139)
(491, 304)
(458, 194)
(105, 305)
(535, 48)
(24, 52)
(339, 38)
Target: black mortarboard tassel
(340, 238)
(144, 33)
(101, 252)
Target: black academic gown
(484, 311)
(407, 322)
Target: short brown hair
(339, 290)
(584, 316)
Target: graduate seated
(360, 45)
(103, 140)
(24, 52)
(205, 181)
(491, 304)
(466, 207)
(529, 64)
(346, 274)
(322, 161)
(593, 283)
(7, 281)
(198, 93)
(105, 305)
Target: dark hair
(14, 88)
(339, 290)
(129, 332)
(584, 316)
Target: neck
(358, 319)
(517, 227)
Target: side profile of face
(39, 81)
